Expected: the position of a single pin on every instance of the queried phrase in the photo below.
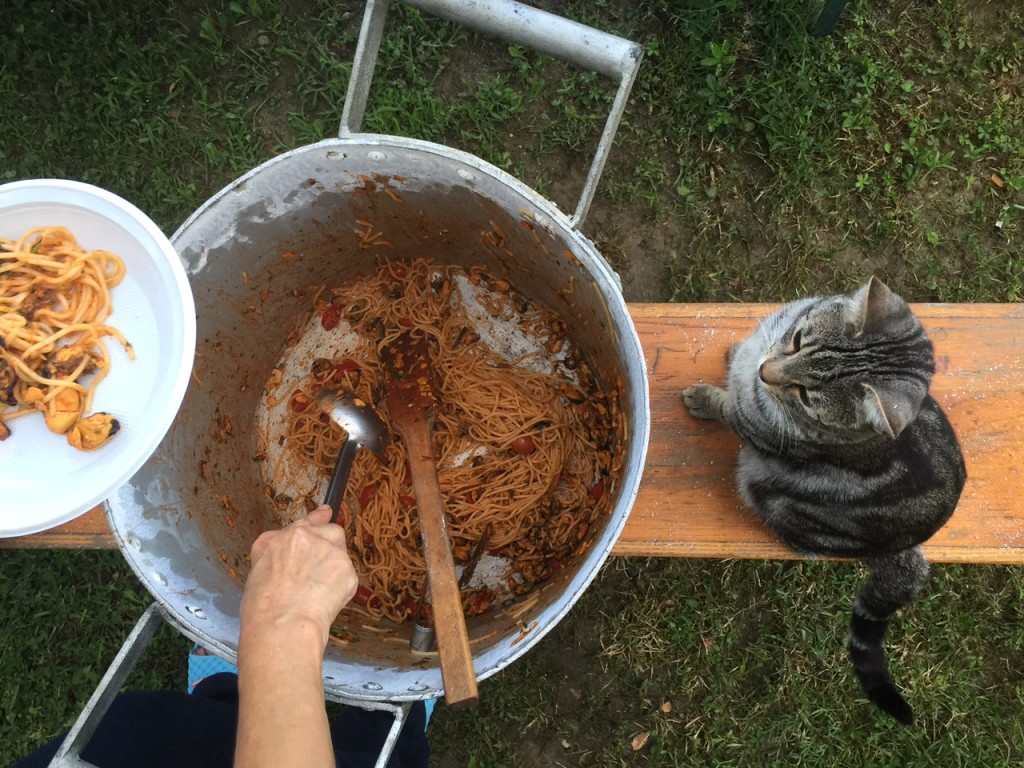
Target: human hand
(301, 578)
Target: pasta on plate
(54, 302)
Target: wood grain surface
(411, 404)
(687, 505)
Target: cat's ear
(889, 411)
(874, 308)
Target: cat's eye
(802, 393)
(797, 339)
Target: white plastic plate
(45, 482)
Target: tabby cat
(845, 454)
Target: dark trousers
(171, 729)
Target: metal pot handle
(587, 48)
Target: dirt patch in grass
(579, 707)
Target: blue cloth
(172, 729)
(428, 705)
(202, 667)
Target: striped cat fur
(845, 455)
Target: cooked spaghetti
(523, 446)
(54, 301)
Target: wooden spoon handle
(457, 672)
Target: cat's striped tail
(893, 582)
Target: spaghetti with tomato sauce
(525, 447)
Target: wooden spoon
(412, 403)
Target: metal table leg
(68, 756)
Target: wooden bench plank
(687, 505)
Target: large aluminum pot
(186, 521)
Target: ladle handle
(588, 48)
(339, 477)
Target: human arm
(301, 577)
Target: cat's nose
(770, 372)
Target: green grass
(751, 658)
(749, 655)
(65, 615)
(876, 145)
(754, 163)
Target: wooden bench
(687, 505)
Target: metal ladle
(363, 427)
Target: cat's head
(858, 362)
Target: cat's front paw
(704, 401)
